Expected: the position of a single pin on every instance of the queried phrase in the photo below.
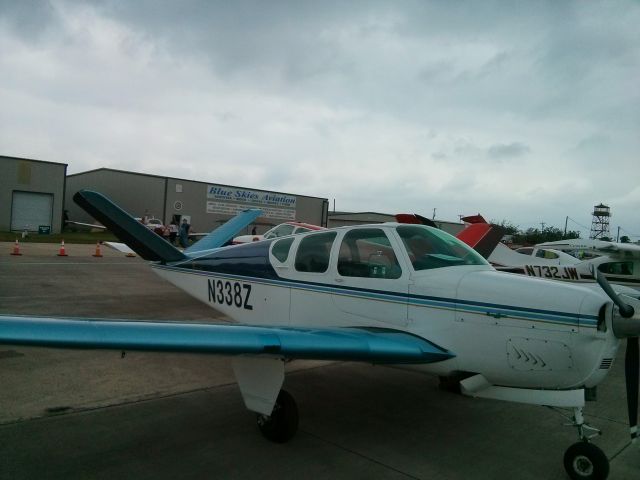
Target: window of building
(367, 252)
(313, 253)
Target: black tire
(282, 424)
(585, 461)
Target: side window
(525, 251)
(313, 253)
(542, 253)
(302, 230)
(281, 249)
(617, 268)
(367, 252)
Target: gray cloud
(403, 106)
(504, 151)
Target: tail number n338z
(233, 294)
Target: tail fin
(415, 219)
(482, 237)
(226, 232)
(143, 241)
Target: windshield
(431, 248)
(280, 231)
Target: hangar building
(31, 195)
(206, 205)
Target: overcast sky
(525, 111)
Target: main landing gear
(282, 424)
(583, 460)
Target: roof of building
(185, 180)
(9, 157)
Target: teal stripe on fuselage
(511, 311)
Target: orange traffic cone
(98, 250)
(62, 252)
(16, 248)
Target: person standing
(185, 228)
(173, 232)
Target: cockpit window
(431, 248)
(281, 249)
(313, 252)
(367, 252)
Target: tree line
(532, 236)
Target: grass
(68, 236)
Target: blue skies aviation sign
(230, 201)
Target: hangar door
(29, 210)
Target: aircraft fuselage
(514, 330)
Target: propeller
(632, 356)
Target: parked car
(282, 230)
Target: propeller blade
(632, 380)
(626, 310)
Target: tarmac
(82, 414)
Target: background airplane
(405, 295)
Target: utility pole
(566, 220)
(434, 214)
(618, 237)
(543, 224)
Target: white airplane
(396, 294)
(282, 230)
(618, 262)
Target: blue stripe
(534, 314)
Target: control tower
(600, 222)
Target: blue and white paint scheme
(406, 295)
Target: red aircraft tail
(480, 235)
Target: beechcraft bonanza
(395, 294)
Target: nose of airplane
(626, 324)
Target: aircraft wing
(88, 225)
(120, 247)
(353, 344)
(610, 248)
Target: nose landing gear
(584, 460)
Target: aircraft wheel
(282, 424)
(585, 461)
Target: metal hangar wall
(206, 204)
(31, 195)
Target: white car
(282, 230)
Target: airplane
(281, 230)
(394, 294)
(617, 262)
